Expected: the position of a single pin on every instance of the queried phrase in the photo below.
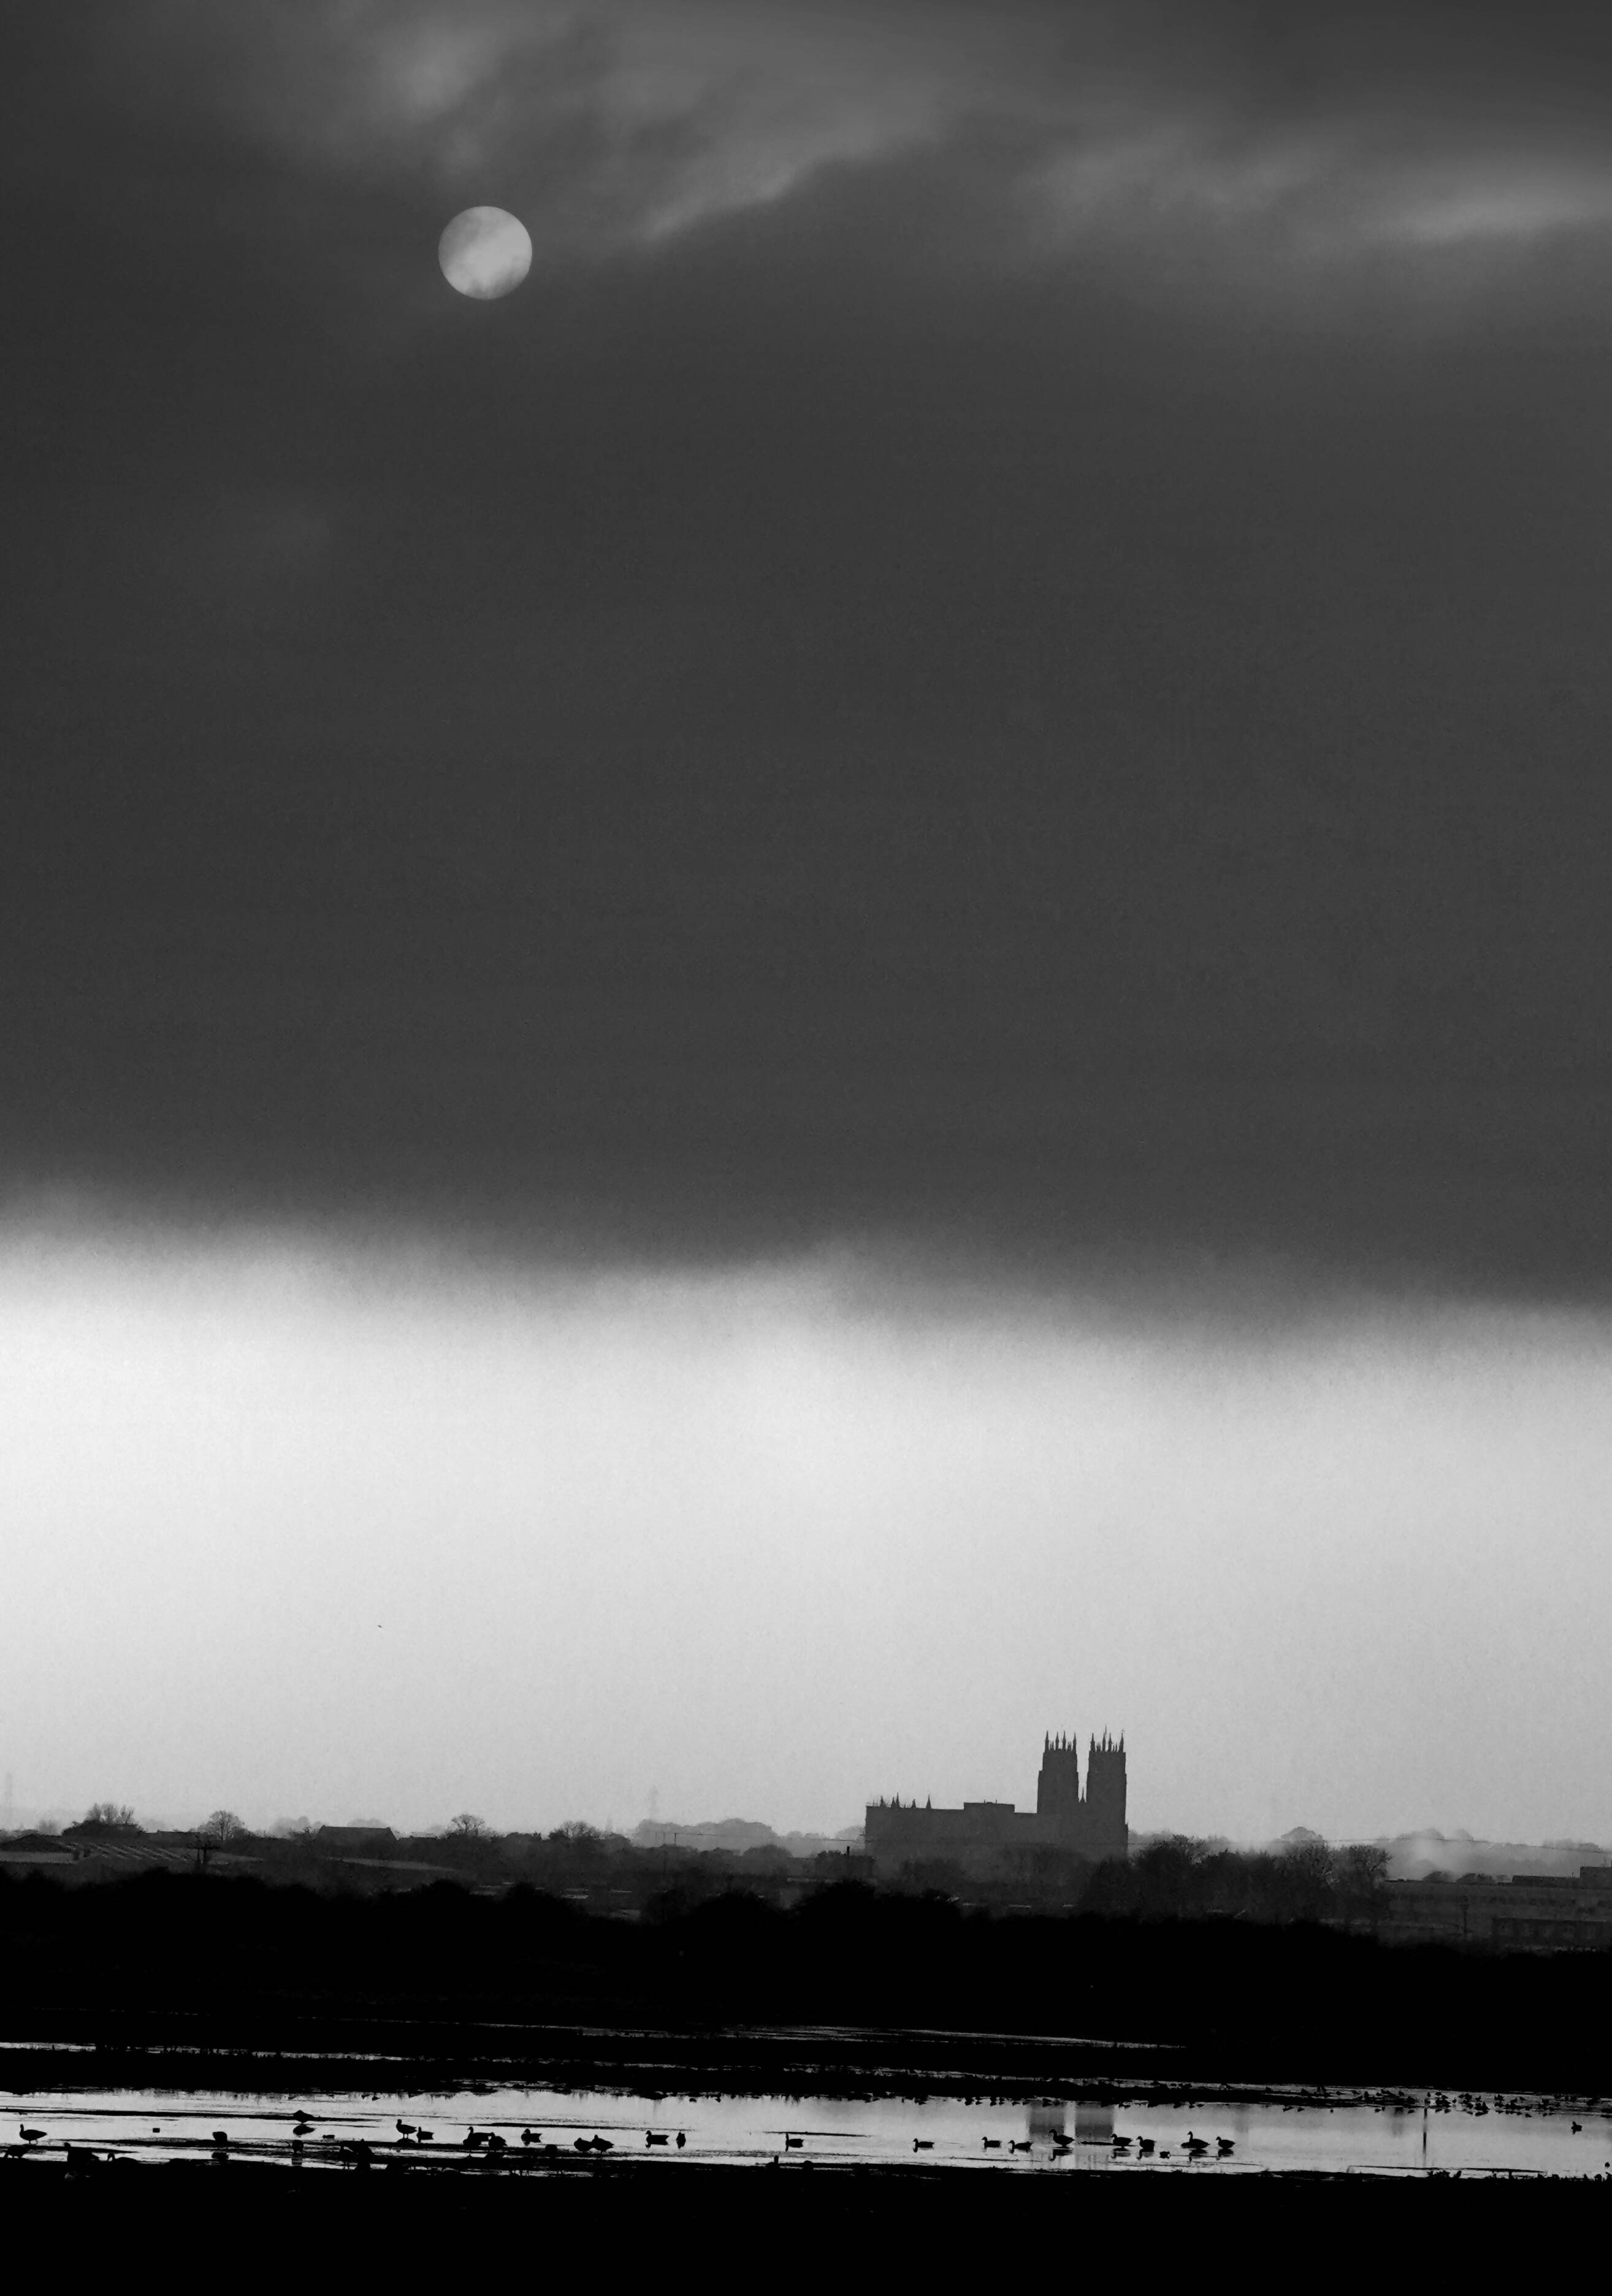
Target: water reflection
(486, 2131)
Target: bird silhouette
(531, 2136)
(601, 2144)
(656, 2136)
(682, 2140)
(1145, 2144)
(405, 2128)
(923, 2143)
(794, 2144)
(425, 2136)
(30, 2136)
(496, 2144)
(992, 2143)
(1015, 2145)
(473, 2139)
(221, 2137)
(1224, 2144)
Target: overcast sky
(844, 985)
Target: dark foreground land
(194, 1980)
(789, 2225)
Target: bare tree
(1307, 1873)
(467, 1827)
(111, 1814)
(1363, 1879)
(223, 1826)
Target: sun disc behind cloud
(485, 253)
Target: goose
(1120, 2143)
(1224, 2144)
(425, 2136)
(992, 2143)
(1194, 2143)
(30, 2136)
(599, 2145)
(1145, 2144)
(1577, 2125)
(405, 2128)
(794, 2144)
(531, 2135)
(1016, 2145)
(682, 2140)
(655, 2136)
(923, 2143)
(496, 2144)
(580, 2144)
(473, 2138)
(221, 2137)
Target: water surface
(1338, 2131)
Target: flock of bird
(361, 2152)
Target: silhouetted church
(983, 1834)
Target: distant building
(984, 1836)
(354, 1840)
(1536, 1913)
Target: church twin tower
(986, 1836)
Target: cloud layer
(1265, 143)
(1007, 636)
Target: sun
(485, 253)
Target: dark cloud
(1034, 668)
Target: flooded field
(547, 2131)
